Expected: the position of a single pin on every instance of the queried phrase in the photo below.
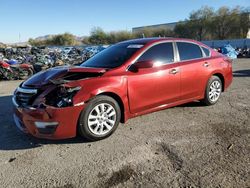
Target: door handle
(174, 71)
(206, 64)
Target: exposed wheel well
(119, 101)
(222, 79)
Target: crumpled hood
(62, 73)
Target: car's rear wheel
(213, 90)
(100, 118)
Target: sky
(24, 19)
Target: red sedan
(128, 79)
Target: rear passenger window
(160, 52)
(206, 51)
(189, 51)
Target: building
(169, 26)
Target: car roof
(157, 39)
(142, 40)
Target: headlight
(66, 96)
(62, 96)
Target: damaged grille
(25, 97)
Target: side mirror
(140, 65)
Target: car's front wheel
(100, 118)
(213, 90)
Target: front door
(157, 85)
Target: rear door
(194, 69)
(155, 86)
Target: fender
(97, 86)
(4, 65)
(220, 72)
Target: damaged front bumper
(47, 121)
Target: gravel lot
(188, 145)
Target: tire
(96, 126)
(213, 91)
(28, 72)
(2, 74)
(31, 72)
(8, 75)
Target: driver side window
(161, 52)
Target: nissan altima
(128, 79)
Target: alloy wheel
(101, 119)
(214, 91)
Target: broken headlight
(62, 96)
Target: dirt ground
(186, 146)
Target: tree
(98, 36)
(207, 24)
(34, 42)
(244, 23)
(230, 23)
(200, 22)
(154, 32)
(65, 39)
(221, 23)
(118, 36)
(85, 40)
(184, 30)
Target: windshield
(113, 56)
